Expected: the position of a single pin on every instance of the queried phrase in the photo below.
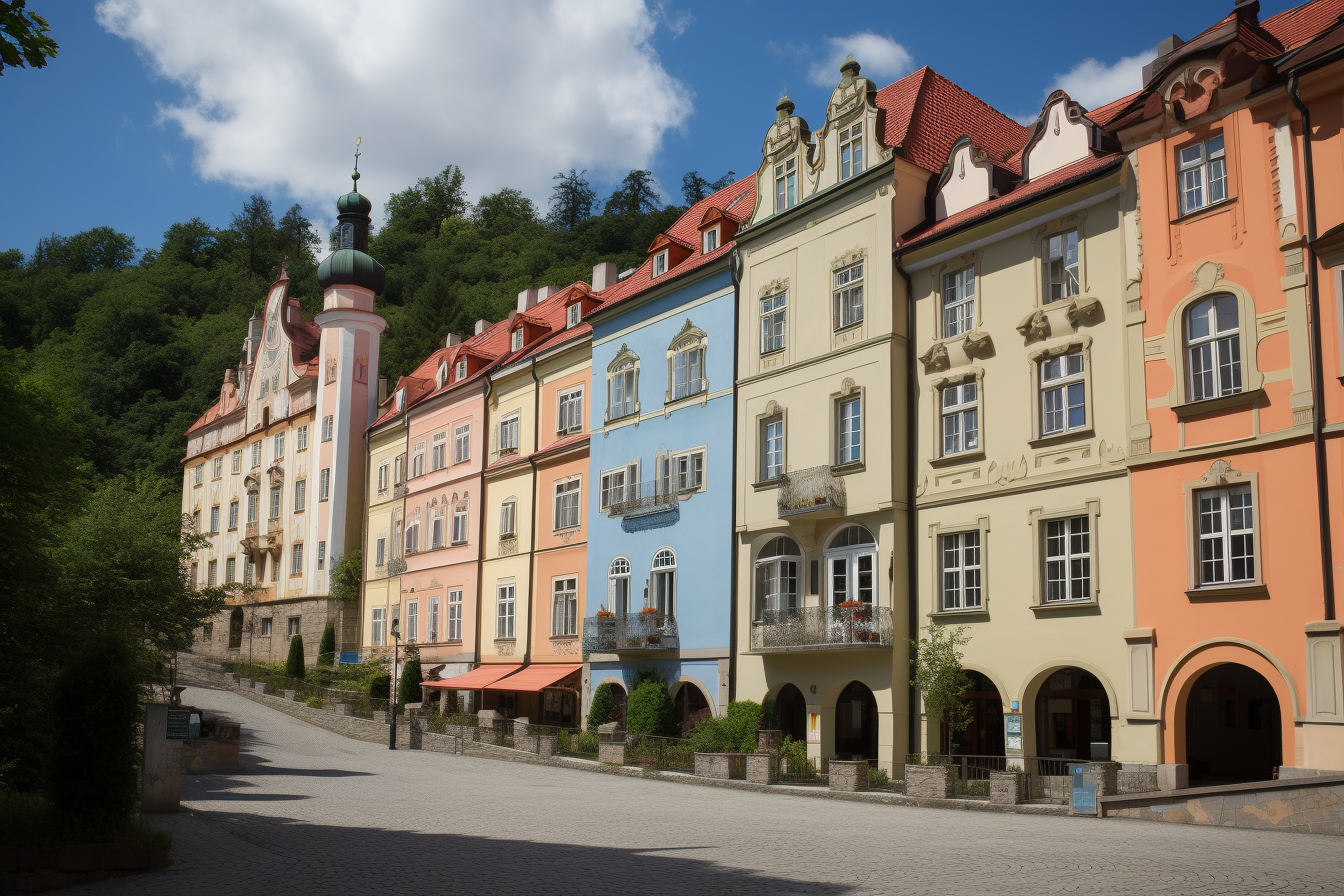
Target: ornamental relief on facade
(773, 288)
(567, 647)
(847, 259)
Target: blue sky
(185, 111)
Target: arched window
(777, 577)
(851, 560)
(663, 596)
(618, 586)
(442, 376)
(1213, 348)
(686, 363)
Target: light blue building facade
(661, 502)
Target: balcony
(275, 526)
(809, 629)
(250, 530)
(642, 500)
(400, 491)
(396, 566)
(630, 631)
(816, 491)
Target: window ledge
(982, 610)
(767, 484)
(1056, 438)
(951, 460)
(1208, 210)
(853, 466)
(1238, 591)
(564, 637)
(1065, 607)
(671, 404)
(773, 351)
(1222, 402)
(566, 529)
(847, 327)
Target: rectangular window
(455, 615)
(293, 625)
(256, 454)
(433, 619)
(961, 570)
(961, 418)
(251, 508)
(613, 489)
(660, 264)
(516, 339)
(959, 302)
(214, 519)
(211, 572)
(328, 425)
(380, 551)
(508, 433)
(275, 570)
(217, 467)
(460, 524)
(1202, 172)
(1213, 343)
(786, 185)
(398, 469)
(418, 461)
(1226, 536)
(267, 626)
(688, 372)
(851, 151)
(772, 448)
(1061, 266)
(321, 555)
(462, 443)
(231, 570)
(774, 311)
(1068, 559)
(233, 514)
(1063, 394)
(508, 519)
(301, 438)
(709, 240)
(198, 474)
(438, 451)
(460, 372)
(296, 560)
(300, 495)
(567, 503)
(569, 418)
(377, 630)
(621, 393)
(436, 532)
(237, 461)
(565, 607)
(847, 297)
(413, 621)
(383, 471)
(849, 438)
(504, 611)
(275, 504)
(247, 570)
(573, 315)
(279, 446)
(688, 471)
(413, 538)
(324, 484)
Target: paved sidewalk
(312, 812)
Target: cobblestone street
(312, 812)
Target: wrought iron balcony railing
(396, 566)
(630, 631)
(822, 628)
(814, 490)
(644, 498)
(275, 526)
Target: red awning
(535, 678)
(476, 679)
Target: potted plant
(649, 610)
(605, 614)
(654, 639)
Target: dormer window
(461, 372)
(1203, 174)
(709, 240)
(442, 376)
(400, 400)
(517, 342)
(660, 264)
(573, 315)
(851, 151)
(786, 185)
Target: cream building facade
(384, 553)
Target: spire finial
(355, 176)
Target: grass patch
(29, 818)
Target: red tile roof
(926, 113)
(1297, 26)
(1104, 115)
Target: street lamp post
(392, 688)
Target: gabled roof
(926, 113)
(489, 345)
(1297, 26)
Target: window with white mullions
(504, 607)
(772, 448)
(455, 615)
(1226, 536)
(1063, 394)
(786, 185)
(621, 389)
(959, 302)
(565, 607)
(569, 417)
(960, 553)
(1061, 266)
(774, 311)
(663, 593)
(777, 576)
(1213, 346)
(961, 418)
(849, 442)
(851, 151)
(847, 297)
(460, 524)
(688, 471)
(438, 451)
(567, 504)
(1068, 559)
(851, 558)
(508, 433)
(1202, 171)
(688, 371)
(508, 519)
(618, 586)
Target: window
(441, 376)
(777, 577)
(279, 447)
(247, 570)
(688, 471)
(618, 586)
(1068, 559)
(663, 596)
(709, 240)
(196, 521)
(214, 519)
(1226, 536)
(438, 451)
(565, 607)
(569, 419)
(849, 437)
(847, 297)
(301, 438)
(688, 371)
(462, 443)
(256, 454)
(321, 555)
(1063, 394)
(772, 448)
(851, 150)
(380, 551)
(959, 302)
(212, 573)
(436, 532)
(418, 461)
(237, 461)
(293, 625)
(300, 495)
(850, 561)
(377, 627)
(433, 619)
(455, 615)
(786, 185)
(508, 519)
(621, 389)
(961, 418)
(774, 311)
(398, 469)
(275, 504)
(413, 537)
(460, 524)
(296, 560)
(251, 508)
(660, 264)
(960, 563)
(504, 599)
(266, 626)
(197, 474)
(383, 471)
(217, 467)
(516, 339)
(567, 503)
(1202, 172)
(412, 621)
(508, 433)
(461, 372)
(324, 484)
(618, 485)
(1213, 347)
(231, 570)
(1061, 266)
(233, 514)
(573, 315)
(328, 424)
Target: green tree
(734, 732)
(294, 662)
(571, 200)
(505, 210)
(599, 711)
(940, 678)
(695, 188)
(637, 195)
(255, 230)
(326, 649)
(650, 709)
(99, 249)
(24, 38)
(408, 689)
(424, 207)
(346, 576)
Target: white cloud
(675, 22)
(880, 57)
(276, 92)
(1094, 83)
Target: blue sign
(1086, 783)
(1012, 704)
(349, 657)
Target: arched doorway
(692, 704)
(1073, 717)
(791, 711)
(984, 735)
(1233, 731)
(856, 722)
(236, 628)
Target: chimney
(526, 299)
(480, 326)
(1165, 47)
(382, 389)
(451, 340)
(545, 292)
(604, 275)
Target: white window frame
(301, 438)
(1060, 277)
(436, 525)
(1063, 390)
(256, 454)
(461, 372)
(433, 619)
(300, 495)
(618, 586)
(506, 597)
(516, 339)
(231, 570)
(418, 460)
(296, 560)
(377, 626)
(198, 474)
(276, 504)
(217, 467)
(412, 621)
(212, 573)
(510, 432)
(567, 502)
(623, 391)
(845, 567)
(328, 426)
(772, 447)
(709, 240)
(237, 460)
(384, 473)
(687, 470)
(380, 551)
(778, 565)
(849, 430)
(455, 614)
(214, 519)
(573, 315)
(565, 607)
(1201, 174)
(786, 185)
(960, 564)
(1218, 351)
(959, 418)
(688, 371)
(253, 505)
(660, 264)
(569, 411)
(851, 150)
(958, 302)
(1066, 543)
(233, 514)
(321, 555)
(1227, 535)
(461, 523)
(663, 582)
(774, 314)
(278, 447)
(441, 375)
(438, 451)
(462, 443)
(324, 485)
(508, 519)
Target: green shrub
(735, 732)
(294, 665)
(793, 757)
(878, 778)
(314, 702)
(604, 701)
(408, 691)
(650, 709)
(94, 787)
(380, 687)
(326, 648)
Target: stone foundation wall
(613, 753)
(1136, 777)
(1007, 788)
(849, 776)
(926, 781)
(712, 765)
(314, 613)
(763, 768)
(1305, 805)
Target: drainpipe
(734, 271)
(1317, 363)
(911, 473)
(532, 560)
(480, 526)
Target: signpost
(1086, 786)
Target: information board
(179, 724)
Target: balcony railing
(643, 498)
(250, 530)
(814, 490)
(400, 491)
(822, 628)
(396, 566)
(630, 631)
(275, 526)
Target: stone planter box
(1007, 788)
(763, 768)
(245, 684)
(525, 742)
(936, 782)
(611, 753)
(721, 765)
(849, 775)
(259, 687)
(546, 745)
(341, 709)
(289, 695)
(769, 741)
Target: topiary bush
(408, 691)
(326, 648)
(650, 709)
(294, 665)
(604, 701)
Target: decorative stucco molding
(845, 259)
(935, 359)
(977, 344)
(1035, 326)
(774, 287)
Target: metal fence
(1048, 778)
(810, 490)
(804, 770)
(630, 631)
(640, 498)
(576, 742)
(665, 753)
(814, 628)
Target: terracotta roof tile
(1299, 25)
(926, 113)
